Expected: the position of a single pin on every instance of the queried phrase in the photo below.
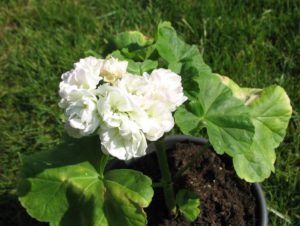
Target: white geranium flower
(85, 75)
(136, 87)
(113, 69)
(124, 142)
(131, 108)
(78, 99)
(166, 88)
(158, 121)
(153, 117)
(88, 70)
(119, 133)
(133, 84)
(155, 120)
(113, 104)
(81, 114)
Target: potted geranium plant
(138, 93)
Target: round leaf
(63, 188)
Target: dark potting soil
(225, 199)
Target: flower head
(113, 104)
(81, 114)
(124, 142)
(84, 76)
(78, 98)
(154, 115)
(166, 88)
(125, 111)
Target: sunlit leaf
(63, 188)
(270, 113)
(182, 58)
(226, 118)
(131, 39)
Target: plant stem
(103, 162)
(166, 178)
(193, 160)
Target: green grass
(255, 43)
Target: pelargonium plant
(115, 106)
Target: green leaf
(134, 45)
(131, 39)
(193, 64)
(71, 152)
(63, 188)
(270, 113)
(175, 66)
(134, 184)
(117, 54)
(247, 129)
(247, 95)
(140, 54)
(226, 118)
(169, 46)
(273, 110)
(148, 65)
(187, 121)
(128, 192)
(247, 124)
(137, 68)
(182, 58)
(188, 203)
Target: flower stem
(166, 178)
(103, 162)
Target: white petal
(81, 114)
(167, 88)
(123, 143)
(113, 69)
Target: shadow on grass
(13, 214)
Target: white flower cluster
(124, 109)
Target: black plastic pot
(171, 141)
